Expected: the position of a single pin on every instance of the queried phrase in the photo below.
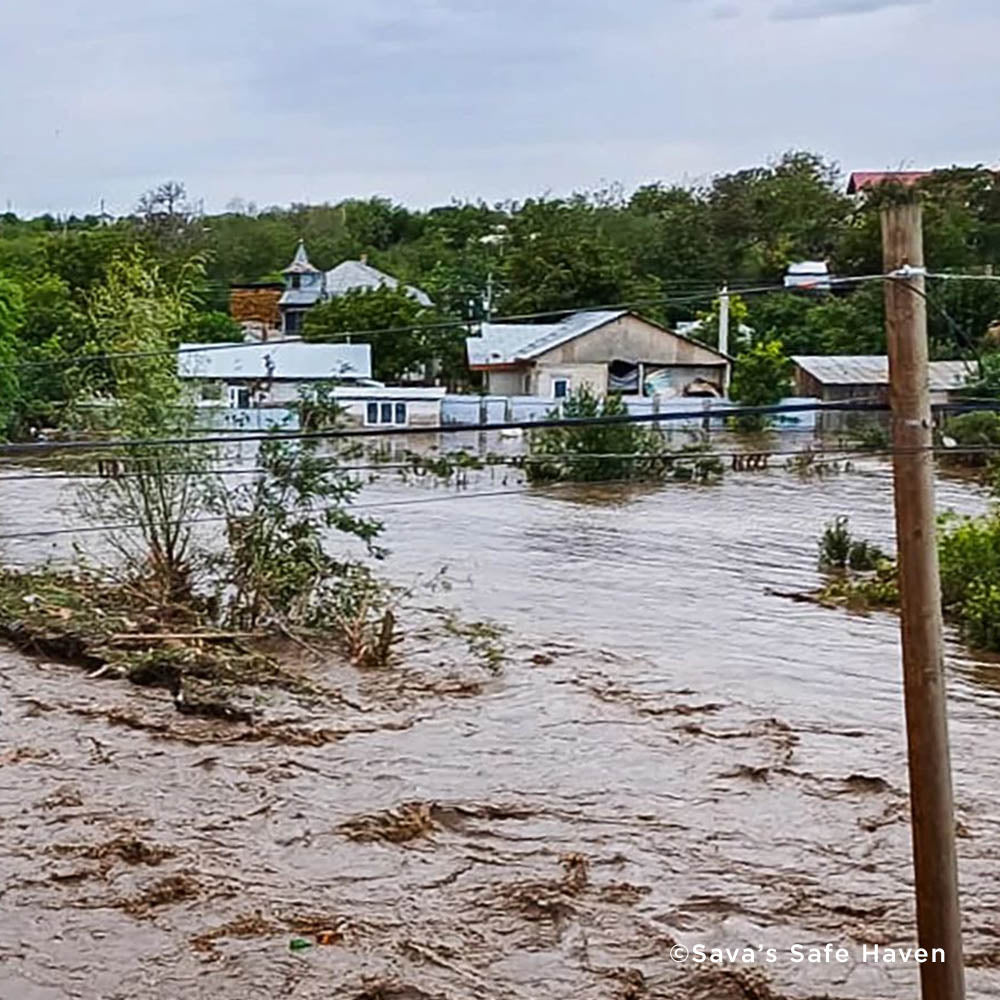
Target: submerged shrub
(835, 544)
(838, 549)
(594, 452)
(981, 614)
(977, 430)
(611, 452)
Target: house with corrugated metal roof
(609, 351)
(257, 384)
(306, 286)
(865, 378)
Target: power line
(820, 458)
(450, 428)
(673, 298)
(707, 414)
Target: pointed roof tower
(300, 262)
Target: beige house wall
(630, 339)
(507, 383)
(545, 374)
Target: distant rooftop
(861, 180)
(291, 359)
(510, 343)
(352, 274)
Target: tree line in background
(664, 249)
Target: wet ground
(672, 756)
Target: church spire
(300, 262)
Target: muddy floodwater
(671, 757)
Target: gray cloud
(803, 10)
(422, 100)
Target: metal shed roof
(291, 360)
(873, 369)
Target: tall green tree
(11, 316)
(761, 377)
(393, 322)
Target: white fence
(699, 413)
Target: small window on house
(239, 397)
(560, 388)
(393, 414)
(527, 385)
(296, 281)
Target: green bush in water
(838, 549)
(979, 429)
(594, 452)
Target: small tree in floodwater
(149, 492)
(593, 452)
(278, 564)
(610, 452)
(761, 377)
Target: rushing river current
(673, 757)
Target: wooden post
(931, 806)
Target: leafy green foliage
(137, 314)
(839, 549)
(157, 490)
(969, 556)
(835, 544)
(393, 322)
(592, 452)
(739, 314)
(666, 246)
(213, 328)
(277, 563)
(559, 257)
(823, 324)
(979, 429)
(969, 559)
(11, 316)
(761, 377)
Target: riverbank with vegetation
(862, 577)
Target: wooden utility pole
(931, 806)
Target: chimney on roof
(364, 258)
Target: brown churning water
(672, 756)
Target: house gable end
(629, 337)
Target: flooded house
(257, 384)
(609, 351)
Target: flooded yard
(672, 756)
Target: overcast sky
(275, 101)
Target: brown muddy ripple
(671, 756)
